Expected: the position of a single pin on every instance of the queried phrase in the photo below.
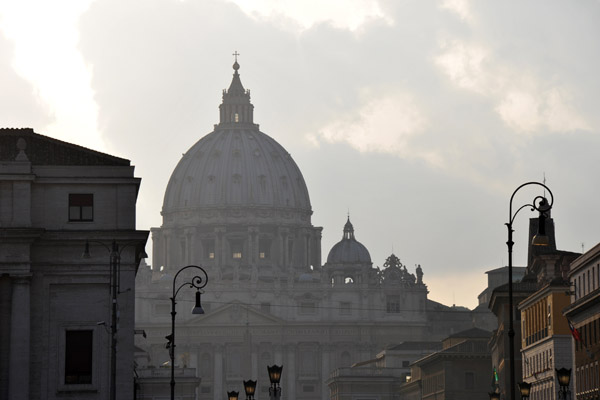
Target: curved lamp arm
(539, 203)
(197, 282)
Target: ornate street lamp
(233, 395)
(197, 282)
(564, 378)
(494, 395)
(115, 290)
(525, 389)
(275, 377)
(250, 388)
(540, 204)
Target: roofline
(584, 259)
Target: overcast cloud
(420, 117)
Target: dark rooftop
(472, 333)
(23, 144)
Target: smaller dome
(348, 250)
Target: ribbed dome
(236, 166)
(348, 250)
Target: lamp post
(564, 378)
(525, 389)
(275, 377)
(197, 282)
(494, 395)
(249, 388)
(115, 290)
(540, 203)
(233, 395)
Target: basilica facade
(237, 205)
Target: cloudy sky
(419, 117)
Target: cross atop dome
(236, 66)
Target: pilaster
(218, 373)
(18, 385)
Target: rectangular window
(588, 280)
(345, 308)
(209, 249)
(78, 357)
(81, 207)
(264, 247)
(236, 249)
(290, 249)
(234, 362)
(469, 380)
(393, 304)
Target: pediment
(236, 313)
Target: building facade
(237, 204)
(584, 313)
(461, 370)
(539, 288)
(545, 339)
(55, 307)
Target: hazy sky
(420, 117)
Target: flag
(574, 331)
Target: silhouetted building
(498, 277)
(55, 307)
(540, 287)
(461, 370)
(382, 377)
(238, 205)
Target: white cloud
(384, 124)
(46, 55)
(343, 14)
(524, 102)
(464, 64)
(534, 111)
(459, 7)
